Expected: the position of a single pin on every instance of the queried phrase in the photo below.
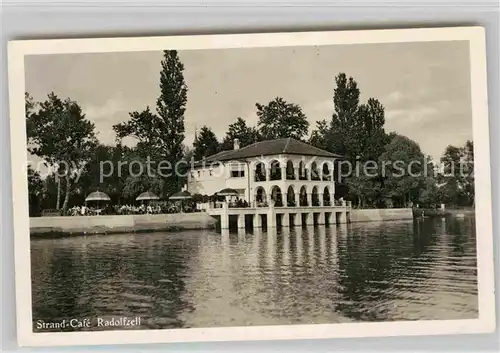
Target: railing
(315, 176)
(280, 204)
(276, 175)
(260, 177)
(303, 175)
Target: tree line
(59, 133)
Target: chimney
(236, 144)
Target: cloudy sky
(425, 87)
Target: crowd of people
(150, 208)
(160, 207)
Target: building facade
(286, 172)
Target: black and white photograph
(275, 181)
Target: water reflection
(356, 272)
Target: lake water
(407, 270)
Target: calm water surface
(406, 270)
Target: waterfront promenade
(259, 217)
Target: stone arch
(303, 196)
(315, 196)
(314, 171)
(290, 170)
(260, 172)
(290, 197)
(275, 170)
(260, 196)
(276, 195)
(302, 171)
(327, 196)
(327, 171)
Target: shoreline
(65, 226)
(68, 226)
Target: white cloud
(394, 97)
(106, 110)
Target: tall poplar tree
(355, 131)
(161, 135)
(345, 104)
(171, 104)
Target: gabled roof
(271, 147)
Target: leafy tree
(345, 104)
(363, 188)
(456, 181)
(106, 171)
(161, 135)
(134, 185)
(29, 104)
(144, 126)
(428, 196)
(338, 135)
(205, 143)
(35, 191)
(322, 137)
(355, 131)
(60, 134)
(279, 119)
(171, 105)
(368, 132)
(404, 170)
(241, 131)
(468, 159)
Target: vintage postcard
(251, 187)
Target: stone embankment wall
(120, 224)
(383, 214)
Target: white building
(287, 171)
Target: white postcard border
(476, 37)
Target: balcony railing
(260, 177)
(303, 175)
(276, 175)
(315, 176)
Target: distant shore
(437, 212)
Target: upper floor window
(237, 173)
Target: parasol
(228, 192)
(97, 196)
(147, 196)
(181, 195)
